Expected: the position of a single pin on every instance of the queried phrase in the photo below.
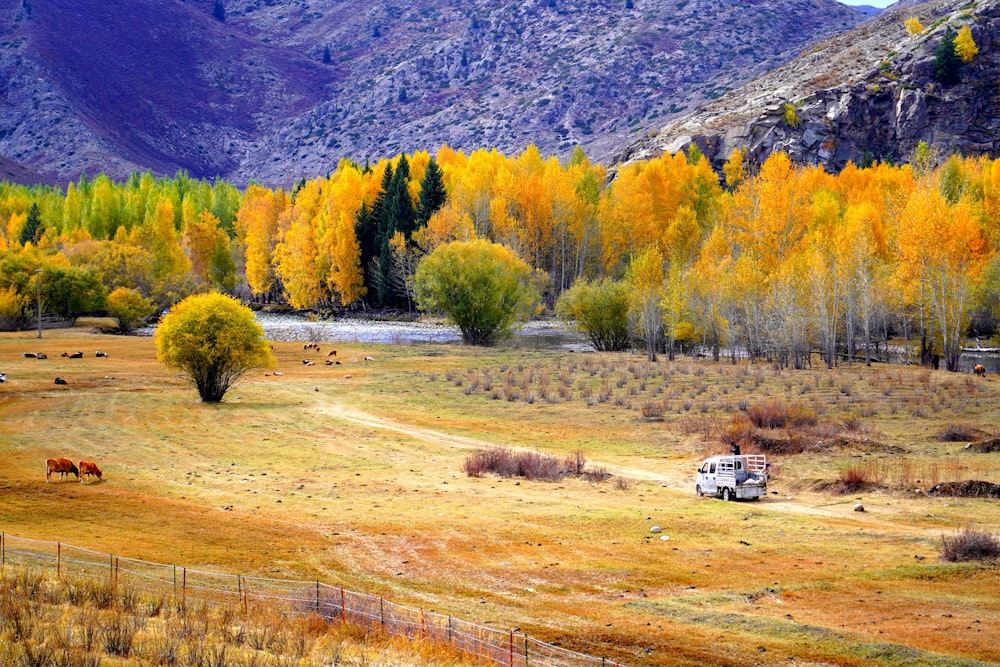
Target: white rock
(656, 529)
(859, 508)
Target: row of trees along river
(775, 260)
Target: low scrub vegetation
(958, 433)
(970, 544)
(506, 462)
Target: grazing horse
(88, 468)
(59, 381)
(100, 354)
(980, 370)
(61, 466)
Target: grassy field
(353, 474)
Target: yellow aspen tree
(257, 223)
(705, 280)
(296, 262)
(788, 302)
(343, 195)
(622, 205)
(200, 239)
(446, 225)
(965, 45)
(472, 188)
(863, 247)
(913, 25)
(159, 237)
(959, 260)
(990, 177)
(14, 226)
(828, 283)
(734, 170)
(646, 281)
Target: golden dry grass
(353, 474)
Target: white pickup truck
(732, 477)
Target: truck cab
(733, 477)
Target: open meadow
(353, 474)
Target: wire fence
(332, 603)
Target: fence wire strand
(332, 603)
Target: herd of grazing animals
(64, 467)
(88, 469)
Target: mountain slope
(867, 94)
(114, 85)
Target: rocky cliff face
(282, 89)
(868, 94)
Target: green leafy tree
(482, 287)
(72, 291)
(214, 340)
(129, 307)
(946, 61)
(600, 310)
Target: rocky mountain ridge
(868, 94)
(282, 89)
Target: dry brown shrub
(652, 410)
(959, 433)
(970, 544)
(778, 414)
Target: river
(548, 335)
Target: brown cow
(980, 370)
(61, 466)
(88, 468)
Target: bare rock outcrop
(866, 95)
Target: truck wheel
(697, 490)
(727, 495)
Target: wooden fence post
(526, 648)
(449, 628)
(317, 597)
(510, 649)
(381, 611)
(184, 585)
(175, 584)
(58, 558)
(343, 609)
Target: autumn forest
(774, 260)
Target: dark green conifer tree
(32, 230)
(432, 193)
(946, 61)
(397, 214)
(219, 10)
(326, 55)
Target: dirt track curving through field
(669, 477)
